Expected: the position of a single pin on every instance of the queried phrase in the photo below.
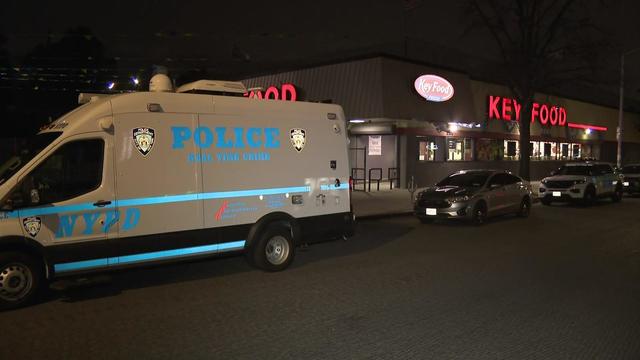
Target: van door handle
(102, 203)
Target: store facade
(414, 121)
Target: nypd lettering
(67, 224)
(236, 144)
(298, 139)
(32, 225)
(143, 138)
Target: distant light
(261, 197)
(356, 121)
(110, 85)
(453, 127)
(587, 131)
(135, 81)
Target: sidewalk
(392, 202)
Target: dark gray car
(474, 195)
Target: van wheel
(274, 250)
(20, 279)
(525, 208)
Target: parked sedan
(631, 178)
(474, 195)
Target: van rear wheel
(20, 279)
(274, 250)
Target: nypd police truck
(166, 175)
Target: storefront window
(534, 150)
(489, 149)
(590, 151)
(575, 151)
(427, 150)
(565, 151)
(548, 150)
(460, 149)
(511, 150)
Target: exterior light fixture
(587, 131)
(356, 121)
(111, 85)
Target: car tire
(525, 207)
(21, 278)
(545, 201)
(479, 216)
(589, 197)
(617, 195)
(426, 220)
(274, 250)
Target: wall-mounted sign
(375, 145)
(501, 108)
(434, 88)
(285, 92)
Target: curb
(384, 215)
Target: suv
(631, 178)
(581, 181)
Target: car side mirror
(554, 172)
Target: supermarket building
(409, 120)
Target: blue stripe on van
(155, 200)
(150, 256)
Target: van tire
(21, 279)
(274, 250)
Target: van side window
(72, 170)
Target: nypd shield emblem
(32, 225)
(298, 139)
(143, 138)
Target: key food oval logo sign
(434, 88)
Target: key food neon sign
(286, 92)
(434, 88)
(508, 109)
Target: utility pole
(621, 107)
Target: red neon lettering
(544, 114)
(506, 109)
(562, 117)
(553, 115)
(272, 90)
(534, 111)
(289, 92)
(517, 107)
(493, 107)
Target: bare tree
(542, 44)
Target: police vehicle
(166, 175)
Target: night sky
(232, 40)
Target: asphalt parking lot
(562, 284)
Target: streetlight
(621, 109)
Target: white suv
(582, 181)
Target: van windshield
(12, 162)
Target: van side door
(67, 202)
(158, 187)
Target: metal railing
(377, 179)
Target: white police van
(156, 176)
